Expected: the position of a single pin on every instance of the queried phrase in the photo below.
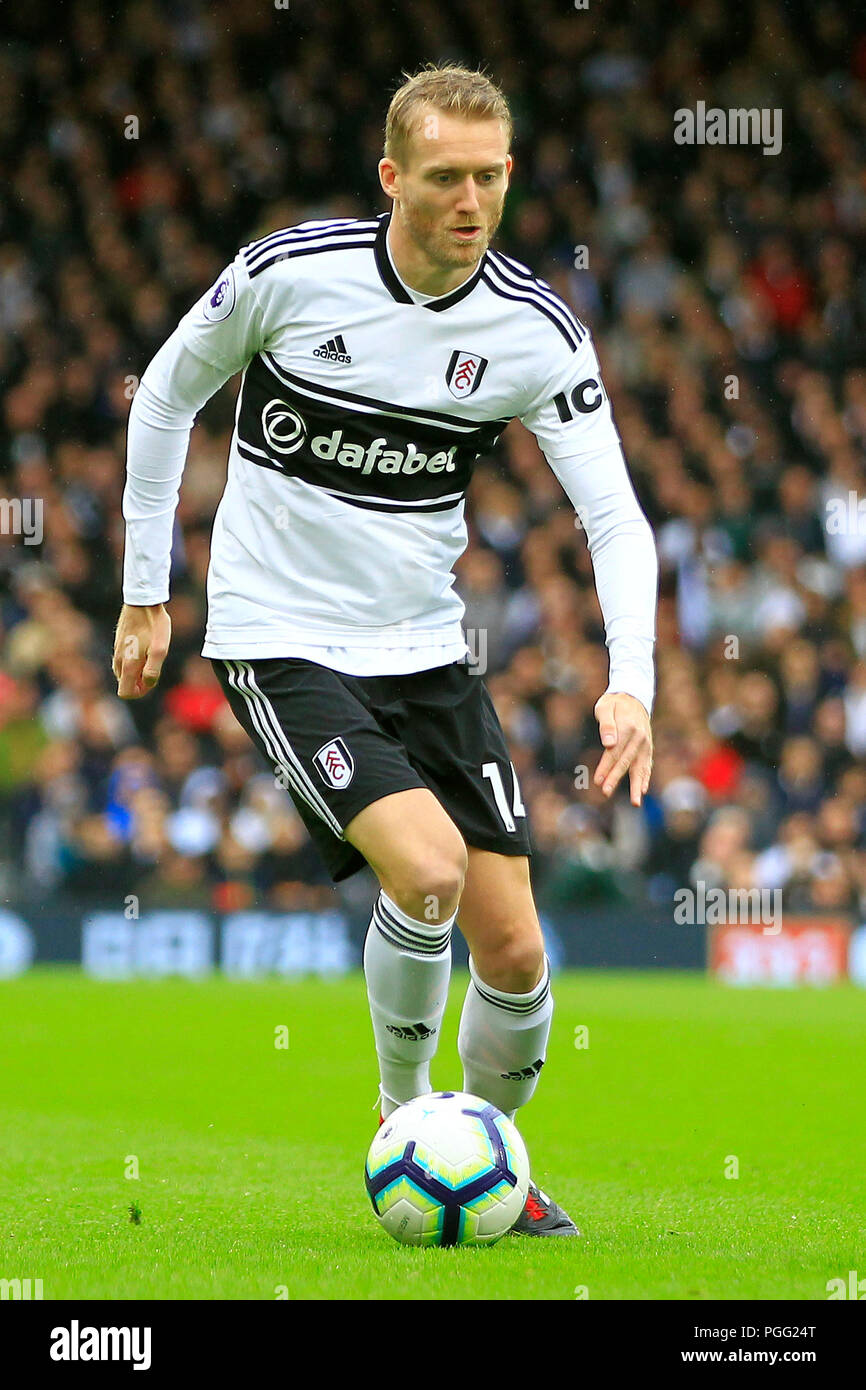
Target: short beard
(434, 240)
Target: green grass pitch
(250, 1156)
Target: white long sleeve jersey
(362, 410)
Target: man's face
(450, 187)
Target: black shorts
(339, 742)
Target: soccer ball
(447, 1169)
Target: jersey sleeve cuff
(144, 599)
(634, 683)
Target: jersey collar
(396, 290)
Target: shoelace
(377, 1105)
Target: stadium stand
(141, 144)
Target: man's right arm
(213, 341)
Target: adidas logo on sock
(334, 350)
(525, 1073)
(412, 1033)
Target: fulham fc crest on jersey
(464, 373)
(335, 764)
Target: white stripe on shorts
(264, 718)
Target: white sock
(503, 1040)
(407, 964)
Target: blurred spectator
(726, 296)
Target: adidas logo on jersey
(413, 1033)
(334, 350)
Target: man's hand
(140, 647)
(624, 726)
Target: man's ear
(388, 176)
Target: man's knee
(513, 962)
(415, 850)
(426, 877)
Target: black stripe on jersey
(394, 506)
(258, 250)
(369, 504)
(318, 391)
(381, 504)
(288, 251)
(391, 282)
(312, 227)
(386, 461)
(259, 456)
(522, 278)
(553, 308)
(536, 303)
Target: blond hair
(447, 87)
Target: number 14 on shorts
(491, 771)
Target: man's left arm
(573, 424)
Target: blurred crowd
(141, 144)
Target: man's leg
(292, 710)
(508, 1009)
(420, 859)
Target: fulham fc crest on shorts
(335, 764)
(464, 373)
